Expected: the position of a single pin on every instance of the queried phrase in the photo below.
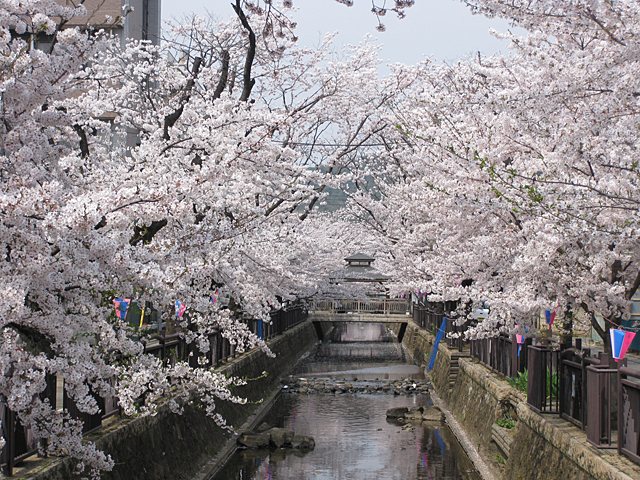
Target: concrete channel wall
(170, 446)
(539, 447)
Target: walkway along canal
(340, 395)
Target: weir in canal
(360, 367)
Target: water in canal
(354, 440)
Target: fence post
(599, 405)
(542, 397)
(10, 447)
(620, 424)
(515, 358)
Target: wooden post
(10, 447)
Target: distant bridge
(363, 311)
(370, 311)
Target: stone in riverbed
(414, 413)
(280, 437)
(263, 427)
(397, 412)
(432, 414)
(276, 438)
(302, 442)
(254, 440)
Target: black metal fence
(502, 354)
(430, 315)
(629, 413)
(170, 347)
(594, 393)
(543, 384)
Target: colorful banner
(439, 337)
(620, 342)
(520, 342)
(121, 305)
(180, 309)
(214, 296)
(550, 317)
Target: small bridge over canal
(394, 311)
(370, 311)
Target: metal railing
(629, 413)
(573, 387)
(543, 382)
(386, 306)
(498, 353)
(429, 316)
(594, 393)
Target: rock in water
(280, 437)
(432, 414)
(398, 412)
(254, 440)
(302, 442)
(263, 427)
(414, 413)
(276, 438)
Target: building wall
(137, 19)
(143, 22)
(97, 13)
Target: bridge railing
(386, 306)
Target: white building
(129, 19)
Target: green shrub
(520, 382)
(553, 384)
(506, 422)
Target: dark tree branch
(146, 233)
(84, 143)
(224, 75)
(634, 287)
(35, 340)
(248, 82)
(173, 117)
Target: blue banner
(439, 336)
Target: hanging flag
(520, 338)
(620, 342)
(180, 308)
(121, 305)
(550, 317)
(520, 342)
(439, 336)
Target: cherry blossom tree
(160, 173)
(519, 173)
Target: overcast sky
(439, 29)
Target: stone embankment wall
(541, 447)
(177, 446)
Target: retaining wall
(177, 446)
(543, 446)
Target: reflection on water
(361, 332)
(354, 440)
(362, 342)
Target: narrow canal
(353, 438)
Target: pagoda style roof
(360, 257)
(358, 269)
